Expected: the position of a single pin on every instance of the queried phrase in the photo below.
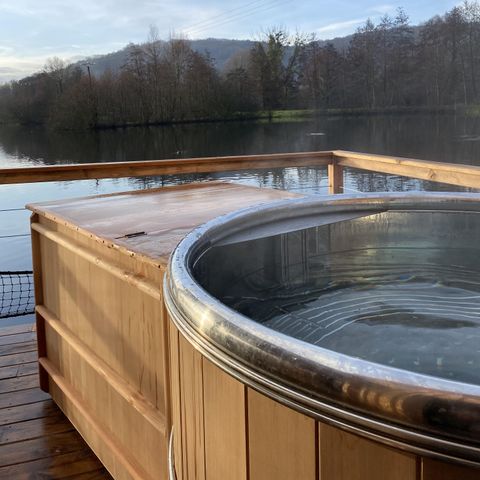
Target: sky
(31, 31)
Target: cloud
(382, 9)
(339, 27)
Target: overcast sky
(33, 30)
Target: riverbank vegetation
(390, 66)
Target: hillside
(221, 50)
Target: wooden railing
(336, 161)
(162, 167)
(449, 173)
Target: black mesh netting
(16, 294)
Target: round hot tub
(358, 313)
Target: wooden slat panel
(122, 388)
(118, 460)
(436, 470)
(225, 425)
(114, 424)
(160, 167)
(175, 400)
(34, 435)
(344, 456)
(282, 442)
(192, 405)
(95, 475)
(126, 333)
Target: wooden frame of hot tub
(105, 372)
(97, 363)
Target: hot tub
(320, 337)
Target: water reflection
(399, 289)
(443, 137)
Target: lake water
(443, 138)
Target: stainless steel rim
(309, 378)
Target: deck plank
(68, 465)
(21, 413)
(36, 439)
(23, 397)
(18, 358)
(19, 383)
(18, 348)
(40, 427)
(14, 371)
(17, 338)
(16, 329)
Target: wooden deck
(36, 440)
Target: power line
(208, 20)
(15, 236)
(239, 16)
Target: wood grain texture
(175, 400)
(36, 439)
(67, 465)
(436, 470)
(86, 171)
(335, 178)
(111, 218)
(449, 173)
(17, 384)
(225, 421)
(38, 276)
(104, 323)
(192, 412)
(119, 461)
(282, 442)
(21, 413)
(344, 456)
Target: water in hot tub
(408, 308)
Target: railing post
(335, 177)
(39, 320)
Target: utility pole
(93, 98)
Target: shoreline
(472, 111)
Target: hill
(219, 49)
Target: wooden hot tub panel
(124, 375)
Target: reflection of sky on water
(428, 137)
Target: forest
(385, 66)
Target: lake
(445, 138)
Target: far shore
(289, 116)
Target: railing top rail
(85, 171)
(450, 173)
(341, 155)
